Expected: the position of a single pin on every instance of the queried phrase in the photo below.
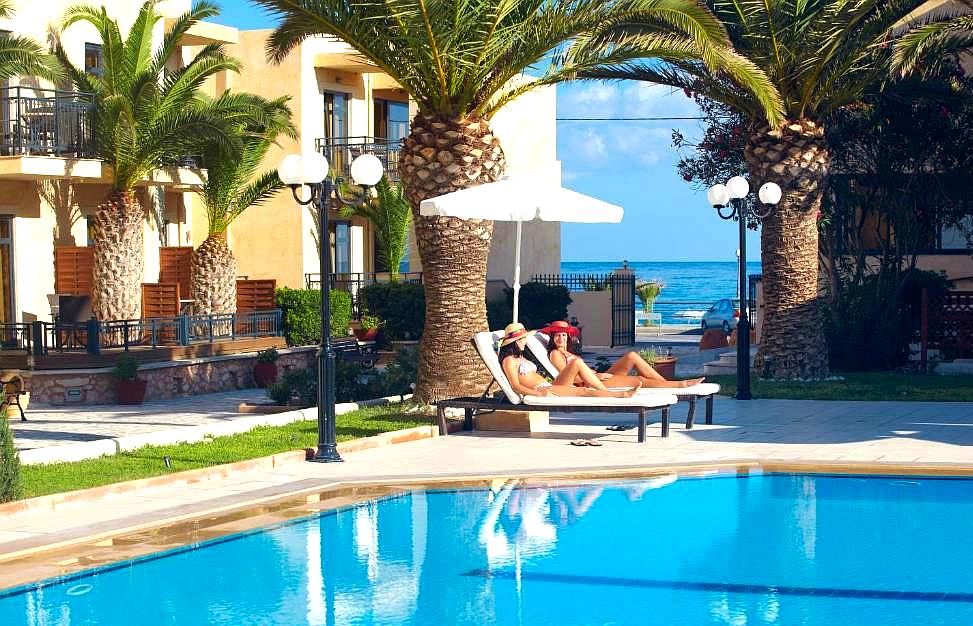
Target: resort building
(51, 184)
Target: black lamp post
(296, 171)
(733, 195)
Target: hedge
(401, 304)
(302, 314)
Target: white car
(721, 315)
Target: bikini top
(526, 367)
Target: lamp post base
(327, 454)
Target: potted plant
(647, 291)
(665, 364)
(368, 328)
(131, 390)
(13, 385)
(265, 369)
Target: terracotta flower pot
(366, 335)
(666, 366)
(131, 391)
(264, 374)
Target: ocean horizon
(688, 285)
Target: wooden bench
(354, 351)
(13, 388)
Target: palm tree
(390, 213)
(22, 55)
(232, 186)
(457, 61)
(926, 47)
(145, 117)
(820, 56)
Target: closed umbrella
(519, 199)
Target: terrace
(39, 122)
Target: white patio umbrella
(521, 199)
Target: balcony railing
(341, 151)
(45, 122)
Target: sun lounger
(536, 345)
(486, 345)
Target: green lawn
(862, 386)
(39, 480)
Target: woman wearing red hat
(525, 380)
(561, 355)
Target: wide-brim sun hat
(560, 326)
(513, 332)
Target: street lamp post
(733, 194)
(311, 169)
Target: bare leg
(586, 392)
(647, 373)
(579, 370)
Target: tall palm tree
(232, 186)
(820, 56)
(144, 118)
(22, 55)
(457, 59)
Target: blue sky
(628, 163)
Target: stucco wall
(593, 310)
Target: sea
(690, 286)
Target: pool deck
(902, 436)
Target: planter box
(666, 366)
(131, 391)
(264, 374)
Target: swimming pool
(726, 549)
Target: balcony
(341, 151)
(45, 122)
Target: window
(335, 115)
(340, 247)
(93, 59)
(391, 120)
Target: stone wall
(173, 379)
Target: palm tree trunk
(796, 158)
(119, 258)
(441, 155)
(214, 276)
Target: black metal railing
(93, 336)
(15, 336)
(341, 151)
(46, 122)
(576, 282)
(353, 282)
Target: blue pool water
(771, 549)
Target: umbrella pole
(517, 273)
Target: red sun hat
(559, 326)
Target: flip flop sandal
(579, 442)
(594, 442)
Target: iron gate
(623, 309)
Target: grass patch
(41, 480)
(861, 386)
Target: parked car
(721, 315)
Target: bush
(300, 385)
(872, 323)
(401, 373)
(270, 355)
(499, 313)
(402, 305)
(302, 314)
(540, 304)
(11, 487)
(126, 368)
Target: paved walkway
(759, 430)
(53, 426)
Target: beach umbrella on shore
(521, 199)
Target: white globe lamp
(366, 170)
(769, 193)
(738, 187)
(289, 170)
(314, 168)
(718, 195)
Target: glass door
(340, 247)
(336, 130)
(6, 270)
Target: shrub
(540, 304)
(270, 355)
(499, 313)
(126, 368)
(402, 305)
(11, 487)
(296, 384)
(302, 314)
(401, 373)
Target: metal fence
(46, 121)
(341, 151)
(354, 281)
(946, 325)
(93, 336)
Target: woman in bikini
(561, 355)
(525, 380)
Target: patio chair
(536, 345)
(507, 400)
